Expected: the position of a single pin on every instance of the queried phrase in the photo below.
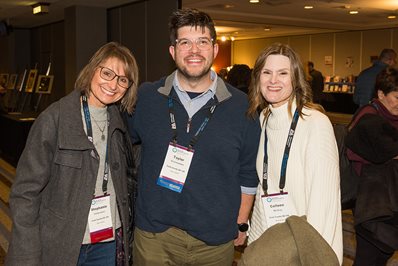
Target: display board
(44, 84)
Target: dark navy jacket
(224, 159)
(365, 83)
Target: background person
(305, 165)
(373, 147)
(239, 77)
(197, 176)
(316, 82)
(75, 158)
(223, 73)
(365, 82)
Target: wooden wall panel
(348, 53)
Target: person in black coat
(373, 147)
(316, 82)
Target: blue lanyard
(90, 138)
(282, 180)
(195, 138)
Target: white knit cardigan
(312, 177)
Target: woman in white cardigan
(297, 162)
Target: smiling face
(390, 101)
(104, 92)
(275, 80)
(194, 64)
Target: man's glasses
(109, 74)
(203, 44)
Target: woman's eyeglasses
(109, 74)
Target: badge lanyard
(199, 131)
(289, 140)
(90, 138)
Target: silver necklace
(102, 130)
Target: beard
(193, 76)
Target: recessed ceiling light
(308, 7)
(223, 38)
(267, 29)
(354, 12)
(392, 16)
(254, 1)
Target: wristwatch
(243, 227)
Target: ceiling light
(223, 38)
(392, 16)
(40, 8)
(254, 1)
(354, 12)
(232, 38)
(267, 29)
(308, 7)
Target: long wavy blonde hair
(302, 92)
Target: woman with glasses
(70, 199)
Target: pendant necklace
(102, 130)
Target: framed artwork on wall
(21, 81)
(30, 83)
(328, 60)
(44, 84)
(4, 79)
(12, 81)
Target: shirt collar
(212, 89)
(221, 92)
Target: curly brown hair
(387, 81)
(190, 17)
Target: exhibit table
(13, 135)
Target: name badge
(175, 167)
(100, 219)
(276, 208)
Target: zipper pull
(189, 125)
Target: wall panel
(373, 42)
(358, 45)
(347, 53)
(321, 46)
(280, 39)
(301, 44)
(143, 27)
(246, 52)
(395, 39)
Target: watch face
(243, 227)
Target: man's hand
(241, 239)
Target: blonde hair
(301, 90)
(122, 53)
